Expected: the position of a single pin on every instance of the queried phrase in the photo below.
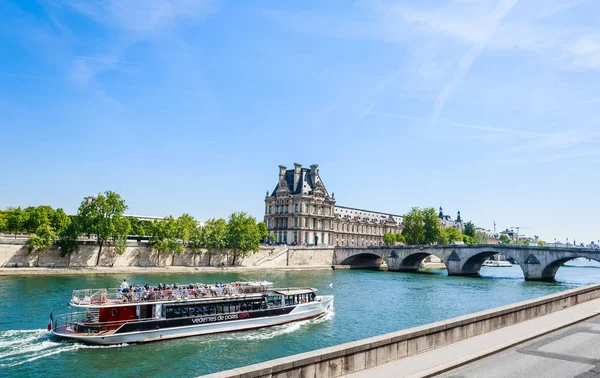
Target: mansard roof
(305, 184)
(366, 215)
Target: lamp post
(567, 242)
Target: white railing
(110, 295)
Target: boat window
(274, 300)
(170, 312)
(219, 309)
(184, 311)
(176, 312)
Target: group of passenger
(136, 293)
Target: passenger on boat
(125, 286)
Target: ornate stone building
(301, 211)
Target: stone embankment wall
(367, 353)
(15, 252)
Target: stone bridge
(537, 263)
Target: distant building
(447, 221)
(300, 211)
(87, 200)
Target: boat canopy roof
(295, 291)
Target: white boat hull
(301, 312)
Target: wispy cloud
(366, 111)
(493, 22)
(143, 16)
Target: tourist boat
(496, 263)
(116, 316)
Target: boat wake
(276, 331)
(18, 347)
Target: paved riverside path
(571, 352)
(579, 354)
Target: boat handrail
(100, 297)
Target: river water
(367, 303)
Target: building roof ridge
(369, 211)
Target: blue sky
(487, 107)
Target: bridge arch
(365, 260)
(412, 262)
(549, 271)
(472, 265)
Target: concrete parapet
(374, 351)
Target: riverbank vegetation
(423, 227)
(102, 218)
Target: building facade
(300, 211)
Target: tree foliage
(164, 237)
(421, 226)
(243, 235)
(413, 226)
(504, 239)
(67, 242)
(262, 228)
(431, 226)
(186, 224)
(59, 220)
(103, 217)
(480, 237)
(389, 239)
(215, 236)
(15, 221)
(42, 240)
(400, 238)
(450, 235)
(469, 229)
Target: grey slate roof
(305, 184)
(366, 215)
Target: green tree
(121, 228)
(541, 243)
(36, 217)
(389, 239)
(98, 217)
(264, 233)
(413, 226)
(469, 229)
(468, 239)
(449, 235)
(431, 226)
(15, 221)
(42, 241)
(243, 235)
(481, 237)
(197, 242)
(59, 220)
(504, 239)
(164, 237)
(272, 238)
(186, 224)
(215, 236)
(400, 238)
(3, 221)
(67, 239)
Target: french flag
(50, 322)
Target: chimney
(297, 170)
(314, 171)
(282, 169)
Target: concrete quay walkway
(580, 349)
